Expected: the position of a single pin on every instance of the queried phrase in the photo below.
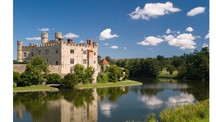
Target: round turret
(58, 36)
(44, 38)
(19, 51)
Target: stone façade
(61, 55)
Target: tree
(79, 70)
(53, 78)
(99, 58)
(36, 71)
(70, 80)
(102, 78)
(88, 73)
(114, 73)
(171, 69)
(16, 77)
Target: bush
(16, 77)
(188, 113)
(88, 73)
(79, 70)
(70, 80)
(114, 73)
(150, 117)
(102, 78)
(53, 78)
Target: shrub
(53, 78)
(79, 70)
(16, 77)
(114, 73)
(70, 80)
(188, 113)
(88, 73)
(150, 117)
(102, 78)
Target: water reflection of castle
(62, 110)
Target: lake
(117, 104)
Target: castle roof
(105, 61)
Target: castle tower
(44, 38)
(19, 51)
(89, 42)
(58, 36)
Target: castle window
(25, 54)
(84, 61)
(72, 51)
(32, 54)
(94, 53)
(46, 51)
(94, 62)
(56, 62)
(56, 51)
(84, 52)
(72, 61)
(39, 52)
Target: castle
(60, 54)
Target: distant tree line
(194, 66)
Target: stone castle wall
(22, 67)
(61, 55)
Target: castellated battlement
(65, 54)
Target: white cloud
(184, 41)
(178, 32)
(153, 10)
(33, 38)
(181, 99)
(151, 40)
(43, 29)
(168, 31)
(70, 35)
(205, 45)
(81, 41)
(106, 44)
(106, 108)
(207, 36)
(151, 100)
(114, 47)
(125, 48)
(196, 11)
(189, 29)
(106, 34)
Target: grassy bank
(189, 113)
(34, 88)
(100, 85)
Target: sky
(123, 28)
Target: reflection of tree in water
(199, 90)
(78, 97)
(150, 91)
(36, 103)
(112, 94)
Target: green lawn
(34, 88)
(99, 85)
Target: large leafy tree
(114, 73)
(89, 71)
(36, 71)
(79, 70)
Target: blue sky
(123, 28)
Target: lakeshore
(35, 88)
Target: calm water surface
(117, 104)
